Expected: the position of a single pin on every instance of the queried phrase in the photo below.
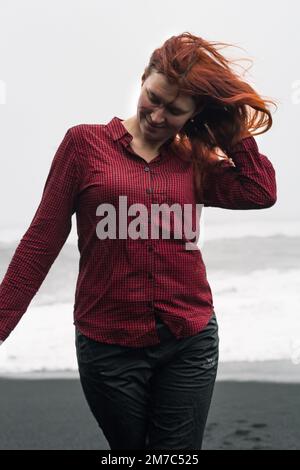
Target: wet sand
(52, 414)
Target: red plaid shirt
(123, 283)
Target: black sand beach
(48, 414)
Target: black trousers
(154, 397)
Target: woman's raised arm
(249, 184)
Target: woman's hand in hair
(219, 156)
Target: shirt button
(147, 168)
(149, 190)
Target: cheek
(144, 102)
(182, 123)
(144, 106)
(178, 123)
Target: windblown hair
(228, 108)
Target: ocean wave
(258, 316)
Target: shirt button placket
(150, 248)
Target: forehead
(167, 92)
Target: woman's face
(160, 106)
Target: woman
(146, 330)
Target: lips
(151, 126)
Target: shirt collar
(116, 129)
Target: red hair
(228, 107)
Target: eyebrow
(170, 105)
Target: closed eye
(154, 100)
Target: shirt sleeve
(44, 238)
(250, 184)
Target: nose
(157, 117)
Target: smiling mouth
(151, 126)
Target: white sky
(67, 62)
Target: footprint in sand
(258, 425)
(241, 432)
(211, 425)
(253, 439)
(227, 443)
